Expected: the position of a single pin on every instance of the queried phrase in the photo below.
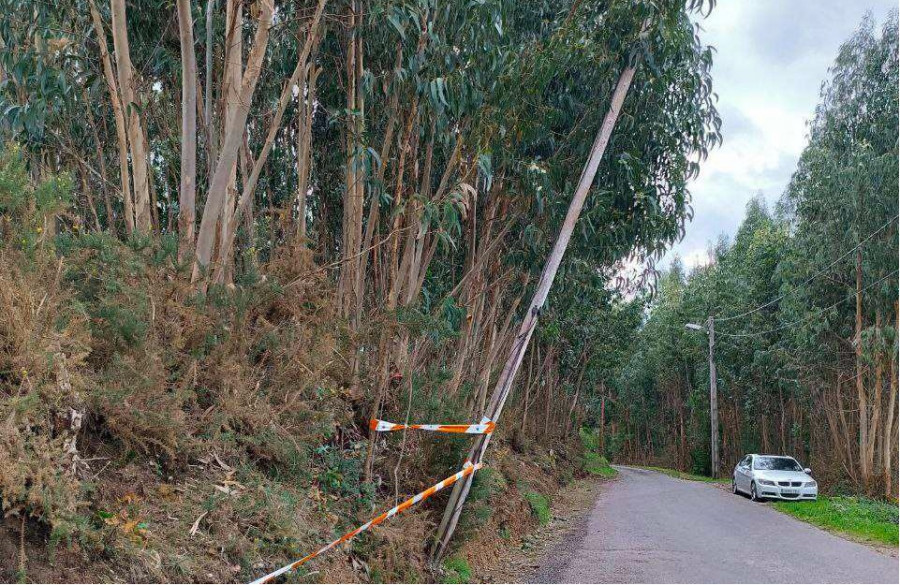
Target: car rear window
(776, 464)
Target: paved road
(647, 527)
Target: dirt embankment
(179, 531)
(518, 559)
(152, 434)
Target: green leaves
(783, 290)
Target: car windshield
(776, 464)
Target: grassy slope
(860, 518)
(594, 463)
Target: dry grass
(151, 433)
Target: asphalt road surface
(647, 527)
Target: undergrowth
(140, 414)
(593, 462)
(158, 433)
(457, 570)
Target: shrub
(44, 340)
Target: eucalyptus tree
(663, 35)
(420, 154)
(843, 198)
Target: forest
(234, 231)
(804, 301)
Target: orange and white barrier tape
(467, 470)
(485, 427)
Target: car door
(739, 473)
(744, 471)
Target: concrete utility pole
(713, 401)
(713, 395)
(517, 351)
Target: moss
(457, 571)
(594, 463)
(540, 506)
(598, 465)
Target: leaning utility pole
(520, 345)
(713, 402)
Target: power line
(808, 317)
(811, 278)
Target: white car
(773, 476)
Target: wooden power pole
(713, 402)
(520, 345)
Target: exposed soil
(495, 560)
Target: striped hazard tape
(485, 427)
(467, 470)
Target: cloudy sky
(771, 58)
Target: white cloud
(771, 58)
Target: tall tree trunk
(212, 137)
(233, 78)
(125, 71)
(354, 176)
(306, 109)
(507, 376)
(230, 227)
(234, 135)
(871, 451)
(782, 427)
(862, 402)
(187, 194)
(846, 431)
(528, 385)
(602, 442)
(579, 379)
(889, 440)
(110, 216)
(119, 117)
(551, 384)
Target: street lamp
(713, 394)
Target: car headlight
(811, 484)
(766, 482)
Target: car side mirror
(807, 470)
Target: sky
(771, 57)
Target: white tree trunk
(125, 70)
(234, 133)
(227, 239)
(188, 187)
(119, 117)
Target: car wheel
(754, 497)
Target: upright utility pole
(713, 395)
(713, 401)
